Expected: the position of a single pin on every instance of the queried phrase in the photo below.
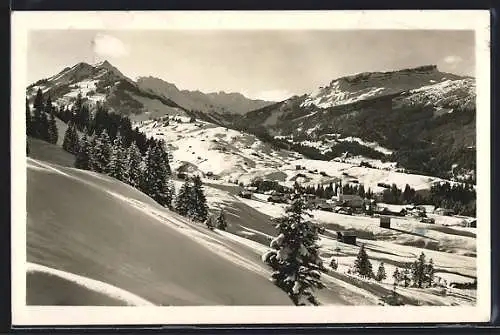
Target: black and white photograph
(326, 162)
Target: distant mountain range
(425, 117)
(149, 97)
(421, 118)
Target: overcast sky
(270, 65)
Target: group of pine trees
(191, 201)
(40, 121)
(460, 197)
(294, 257)
(218, 222)
(100, 119)
(328, 191)
(419, 274)
(149, 174)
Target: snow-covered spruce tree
(37, 114)
(221, 222)
(362, 264)
(418, 271)
(429, 271)
(209, 222)
(183, 199)
(84, 156)
(117, 162)
(406, 277)
(295, 258)
(149, 183)
(396, 276)
(166, 187)
(93, 160)
(333, 264)
(199, 210)
(102, 152)
(381, 275)
(165, 164)
(53, 134)
(29, 121)
(43, 127)
(155, 180)
(70, 141)
(134, 159)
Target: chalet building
(349, 200)
(385, 221)
(444, 211)
(471, 223)
(346, 237)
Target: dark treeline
(95, 123)
(328, 191)
(460, 197)
(41, 122)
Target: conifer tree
(148, 180)
(117, 163)
(84, 156)
(209, 223)
(361, 191)
(70, 141)
(199, 210)
(52, 129)
(333, 264)
(43, 127)
(134, 172)
(155, 181)
(381, 275)
(38, 102)
(183, 199)
(29, 121)
(37, 114)
(430, 272)
(221, 222)
(295, 258)
(102, 152)
(165, 164)
(418, 271)
(406, 277)
(362, 265)
(397, 276)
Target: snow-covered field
(235, 156)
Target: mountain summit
(149, 97)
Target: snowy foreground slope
(92, 226)
(237, 156)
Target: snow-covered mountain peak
(368, 85)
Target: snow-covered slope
(135, 244)
(235, 156)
